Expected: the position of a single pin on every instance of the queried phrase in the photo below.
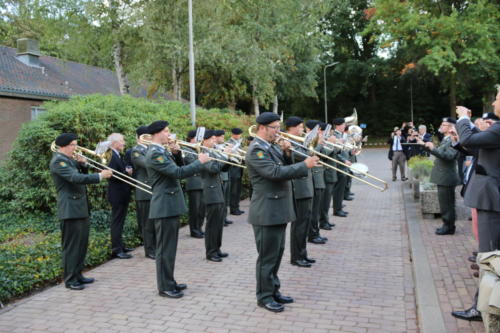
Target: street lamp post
(192, 93)
(324, 84)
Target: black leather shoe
(301, 263)
(196, 234)
(340, 213)
(241, 211)
(214, 258)
(85, 280)
(171, 293)
(348, 198)
(393, 179)
(237, 212)
(310, 260)
(222, 254)
(404, 179)
(331, 224)
(228, 222)
(317, 240)
(151, 256)
(75, 286)
(325, 227)
(283, 299)
(272, 306)
(472, 259)
(122, 255)
(127, 249)
(323, 238)
(180, 286)
(351, 194)
(445, 230)
(470, 314)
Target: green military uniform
(235, 176)
(213, 197)
(73, 211)
(347, 191)
(194, 188)
(445, 175)
(303, 192)
(330, 181)
(318, 175)
(339, 187)
(143, 200)
(167, 204)
(226, 187)
(271, 208)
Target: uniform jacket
(194, 182)
(224, 175)
(70, 186)
(235, 172)
(330, 174)
(138, 158)
(318, 174)
(212, 182)
(303, 187)
(118, 191)
(164, 174)
(445, 171)
(483, 191)
(342, 155)
(272, 201)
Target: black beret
(322, 125)
(236, 130)
(267, 117)
(157, 126)
(338, 121)
(208, 134)
(219, 132)
(65, 139)
(489, 115)
(293, 121)
(141, 130)
(191, 134)
(311, 123)
(449, 120)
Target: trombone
(101, 166)
(298, 141)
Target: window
(36, 111)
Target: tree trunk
(120, 74)
(255, 101)
(175, 87)
(275, 104)
(453, 95)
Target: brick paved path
(362, 282)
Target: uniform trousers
(325, 204)
(196, 210)
(146, 226)
(300, 229)
(226, 189)
(234, 203)
(118, 214)
(446, 198)
(270, 241)
(316, 212)
(338, 192)
(74, 242)
(213, 228)
(167, 235)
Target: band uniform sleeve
(138, 159)
(445, 152)
(489, 139)
(266, 167)
(71, 174)
(166, 166)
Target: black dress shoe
(85, 280)
(228, 222)
(472, 259)
(214, 258)
(222, 254)
(272, 306)
(241, 211)
(301, 263)
(196, 234)
(323, 238)
(151, 256)
(317, 240)
(325, 227)
(127, 249)
(445, 230)
(470, 314)
(348, 198)
(75, 286)
(404, 179)
(237, 212)
(122, 255)
(180, 286)
(393, 179)
(340, 213)
(310, 260)
(283, 299)
(351, 194)
(171, 293)
(331, 224)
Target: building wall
(13, 113)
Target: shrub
(421, 167)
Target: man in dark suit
(194, 189)
(235, 176)
(483, 192)
(72, 207)
(271, 206)
(118, 196)
(167, 203)
(142, 198)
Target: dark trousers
(488, 224)
(316, 212)
(74, 242)
(146, 226)
(167, 235)
(196, 211)
(118, 214)
(213, 229)
(234, 204)
(300, 229)
(325, 203)
(270, 241)
(347, 186)
(226, 189)
(338, 191)
(446, 198)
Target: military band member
(224, 175)
(167, 203)
(143, 199)
(213, 197)
(194, 188)
(271, 206)
(72, 207)
(445, 175)
(235, 176)
(330, 181)
(342, 156)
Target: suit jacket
(70, 186)
(164, 174)
(303, 187)
(445, 172)
(118, 191)
(234, 171)
(194, 182)
(484, 188)
(272, 201)
(391, 144)
(138, 160)
(212, 181)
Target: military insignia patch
(136, 154)
(260, 154)
(63, 164)
(160, 159)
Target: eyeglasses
(273, 127)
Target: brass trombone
(298, 141)
(80, 151)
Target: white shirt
(396, 145)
